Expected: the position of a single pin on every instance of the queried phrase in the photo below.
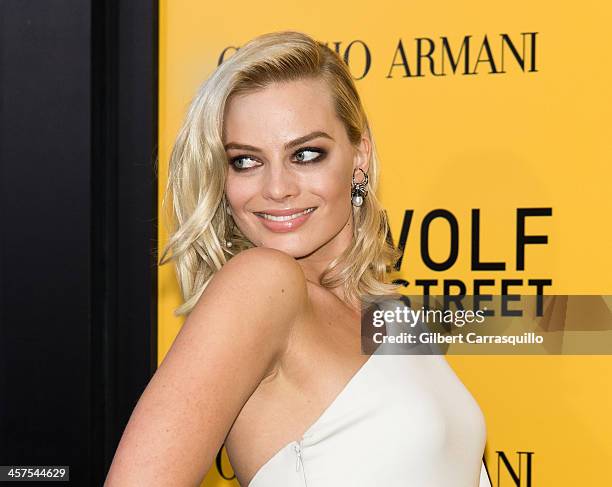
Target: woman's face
(290, 169)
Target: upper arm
(232, 338)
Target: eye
(241, 163)
(309, 154)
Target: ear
(363, 152)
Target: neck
(316, 262)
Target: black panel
(125, 195)
(78, 204)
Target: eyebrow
(288, 145)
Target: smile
(284, 218)
(288, 222)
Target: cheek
(334, 186)
(238, 191)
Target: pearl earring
(228, 243)
(358, 189)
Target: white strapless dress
(403, 420)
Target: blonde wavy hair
(200, 224)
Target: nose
(280, 182)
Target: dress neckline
(343, 392)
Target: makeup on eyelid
(322, 154)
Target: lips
(288, 212)
(284, 215)
(284, 220)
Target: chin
(294, 249)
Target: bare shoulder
(263, 282)
(231, 341)
(259, 295)
(274, 267)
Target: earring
(358, 189)
(228, 243)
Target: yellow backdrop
(508, 136)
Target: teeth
(286, 217)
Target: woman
(279, 237)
